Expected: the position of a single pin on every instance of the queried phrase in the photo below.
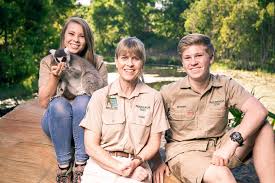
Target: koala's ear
(52, 51)
(66, 50)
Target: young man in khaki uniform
(199, 149)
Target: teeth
(74, 46)
(129, 70)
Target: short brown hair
(132, 45)
(196, 39)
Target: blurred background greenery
(242, 31)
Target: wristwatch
(237, 137)
(139, 158)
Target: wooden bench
(27, 155)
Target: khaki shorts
(95, 174)
(189, 167)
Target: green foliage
(238, 116)
(119, 18)
(27, 32)
(158, 85)
(242, 31)
(163, 61)
(107, 19)
(168, 20)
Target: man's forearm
(255, 114)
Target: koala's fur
(79, 77)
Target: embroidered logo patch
(112, 102)
(216, 102)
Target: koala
(79, 76)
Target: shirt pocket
(140, 128)
(182, 118)
(215, 120)
(113, 125)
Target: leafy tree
(242, 31)
(108, 24)
(28, 29)
(168, 19)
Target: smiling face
(129, 67)
(74, 38)
(196, 62)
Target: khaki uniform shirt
(195, 118)
(125, 124)
(46, 63)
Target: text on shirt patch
(143, 108)
(216, 102)
(181, 106)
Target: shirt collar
(115, 89)
(214, 81)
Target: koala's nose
(63, 59)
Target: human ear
(116, 62)
(211, 59)
(182, 62)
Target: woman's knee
(217, 174)
(81, 101)
(79, 106)
(60, 105)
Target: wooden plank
(26, 153)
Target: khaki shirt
(46, 63)
(125, 124)
(195, 116)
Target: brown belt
(121, 154)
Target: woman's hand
(139, 174)
(47, 91)
(56, 70)
(133, 170)
(128, 168)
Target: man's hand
(222, 155)
(159, 173)
(56, 70)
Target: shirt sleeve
(92, 119)
(44, 71)
(163, 93)
(237, 94)
(160, 122)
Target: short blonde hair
(132, 45)
(196, 39)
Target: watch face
(237, 137)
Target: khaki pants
(95, 174)
(171, 179)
